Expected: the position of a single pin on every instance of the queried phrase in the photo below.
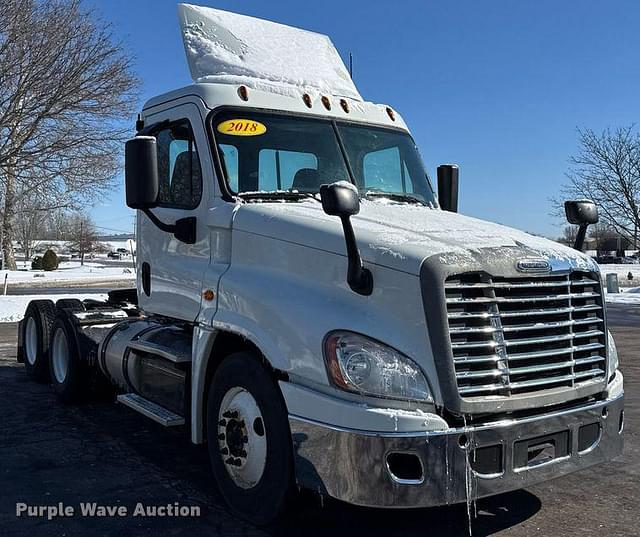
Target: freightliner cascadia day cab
(312, 312)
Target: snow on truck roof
(225, 47)
(278, 64)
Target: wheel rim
(242, 437)
(60, 355)
(31, 341)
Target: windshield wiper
(286, 195)
(408, 198)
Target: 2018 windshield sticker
(242, 127)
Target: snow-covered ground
(12, 307)
(67, 273)
(627, 296)
(623, 271)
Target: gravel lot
(103, 453)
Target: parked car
(114, 255)
(626, 261)
(606, 259)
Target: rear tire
(68, 374)
(72, 304)
(249, 440)
(36, 332)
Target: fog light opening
(405, 468)
(589, 437)
(463, 441)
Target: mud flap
(19, 350)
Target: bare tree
(569, 234)
(607, 171)
(605, 237)
(65, 87)
(29, 224)
(81, 235)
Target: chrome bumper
(456, 464)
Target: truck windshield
(283, 156)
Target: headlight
(362, 365)
(612, 353)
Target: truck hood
(400, 236)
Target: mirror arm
(184, 229)
(169, 228)
(582, 232)
(359, 278)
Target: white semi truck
(312, 312)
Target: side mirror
(448, 187)
(141, 172)
(581, 213)
(341, 199)
(142, 186)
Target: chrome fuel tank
(149, 358)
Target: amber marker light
(391, 113)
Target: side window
(278, 170)
(384, 170)
(229, 154)
(179, 172)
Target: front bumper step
(455, 465)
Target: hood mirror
(341, 199)
(581, 213)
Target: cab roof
(213, 95)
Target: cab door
(170, 270)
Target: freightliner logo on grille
(533, 265)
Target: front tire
(249, 440)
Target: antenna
(351, 65)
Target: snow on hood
(225, 47)
(399, 236)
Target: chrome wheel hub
(60, 356)
(242, 437)
(31, 341)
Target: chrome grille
(518, 336)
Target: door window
(179, 173)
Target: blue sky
(498, 86)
